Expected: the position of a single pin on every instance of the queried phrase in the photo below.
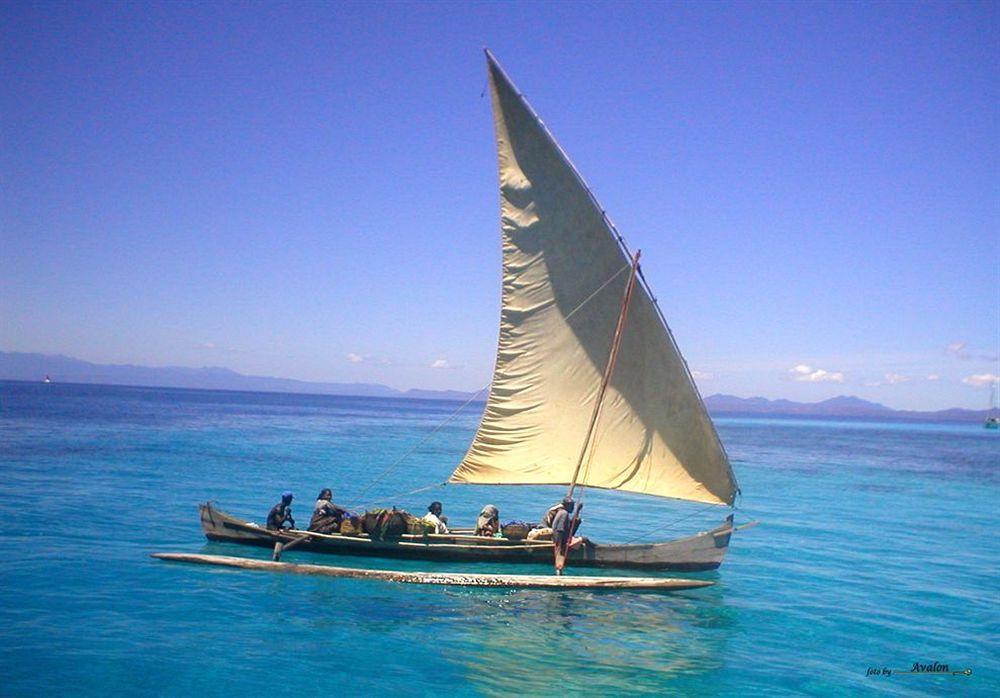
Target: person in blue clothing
(280, 516)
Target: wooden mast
(608, 370)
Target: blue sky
(309, 190)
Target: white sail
(564, 275)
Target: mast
(608, 370)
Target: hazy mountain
(841, 406)
(421, 394)
(64, 369)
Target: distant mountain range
(841, 406)
(63, 369)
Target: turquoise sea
(877, 548)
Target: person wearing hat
(563, 528)
(436, 518)
(281, 513)
(488, 522)
(550, 515)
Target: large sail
(564, 275)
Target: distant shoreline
(239, 391)
(30, 367)
(820, 411)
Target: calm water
(878, 548)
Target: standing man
(562, 533)
(281, 514)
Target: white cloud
(355, 358)
(207, 345)
(956, 349)
(981, 379)
(933, 377)
(701, 375)
(895, 378)
(807, 373)
(440, 363)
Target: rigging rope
(378, 478)
(409, 452)
(397, 497)
(599, 289)
(669, 525)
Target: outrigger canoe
(589, 388)
(702, 551)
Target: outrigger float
(463, 579)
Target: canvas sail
(564, 275)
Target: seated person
(326, 516)
(434, 516)
(281, 514)
(488, 522)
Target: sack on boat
(369, 520)
(419, 527)
(516, 530)
(381, 524)
(540, 534)
(351, 526)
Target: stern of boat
(702, 551)
(211, 520)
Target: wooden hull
(702, 551)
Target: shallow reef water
(877, 549)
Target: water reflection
(520, 641)
(540, 642)
(527, 641)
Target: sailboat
(993, 416)
(589, 388)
